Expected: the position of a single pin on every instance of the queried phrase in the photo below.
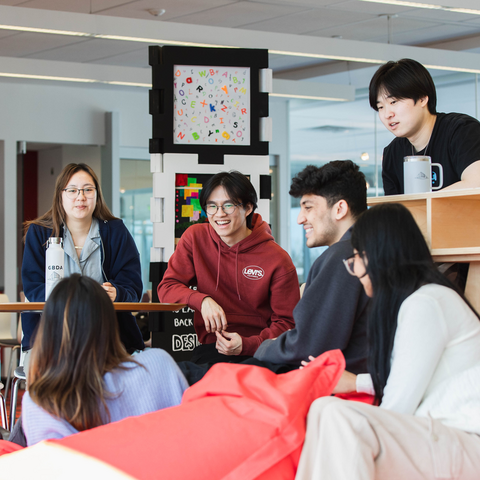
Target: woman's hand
(213, 316)
(229, 343)
(347, 382)
(111, 290)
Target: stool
(18, 376)
(3, 412)
(14, 344)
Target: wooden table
(119, 307)
(450, 223)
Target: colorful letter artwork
(187, 204)
(211, 105)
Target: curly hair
(337, 180)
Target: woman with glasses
(81, 375)
(96, 244)
(247, 285)
(424, 369)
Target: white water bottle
(54, 263)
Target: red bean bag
(8, 447)
(239, 422)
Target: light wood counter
(119, 307)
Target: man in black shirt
(403, 94)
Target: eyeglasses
(350, 264)
(72, 193)
(228, 208)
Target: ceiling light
(426, 5)
(48, 77)
(308, 97)
(17, 28)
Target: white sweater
(435, 368)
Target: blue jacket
(120, 267)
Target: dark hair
(337, 180)
(403, 79)
(56, 216)
(77, 342)
(238, 188)
(398, 263)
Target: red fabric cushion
(8, 447)
(357, 397)
(239, 422)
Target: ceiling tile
(302, 3)
(173, 8)
(11, 3)
(77, 6)
(239, 14)
(376, 28)
(372, 8)
(308, 21)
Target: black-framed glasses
(228, 208)
(350, 265)
(72, 193)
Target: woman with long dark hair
(96, 244)
(80, 374)
(424, 368)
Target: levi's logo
(253, 272)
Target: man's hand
(229, 343)
(213, 316)
(111, 290)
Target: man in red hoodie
(247, 285)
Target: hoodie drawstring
(218, 266)
(236, 275)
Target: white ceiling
(346, 19)
(341, 27)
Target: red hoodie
(254, 281)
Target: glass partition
(135, 192)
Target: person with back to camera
(96, 244)
(247, 285)
(424, 364)
(404, 95)
(80, 374)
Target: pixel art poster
(211, 105)
(187, 204)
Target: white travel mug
(417, 174)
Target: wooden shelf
(450, 223)
(449, 220)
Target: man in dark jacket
(332, 311)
